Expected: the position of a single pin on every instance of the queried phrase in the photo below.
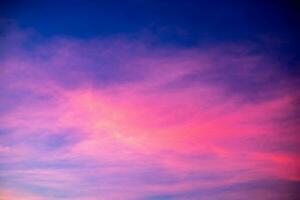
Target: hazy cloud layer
(118, 118)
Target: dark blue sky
(272, 25)
(183, 22)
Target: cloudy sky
(149, 100)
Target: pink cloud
(154, 120)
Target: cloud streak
(119, 119)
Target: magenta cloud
(117, 118)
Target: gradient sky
(149, 100)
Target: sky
(149, 100)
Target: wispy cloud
(120, 119)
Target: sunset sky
(149, 100)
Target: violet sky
(149, 100)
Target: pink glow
(146, 124)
